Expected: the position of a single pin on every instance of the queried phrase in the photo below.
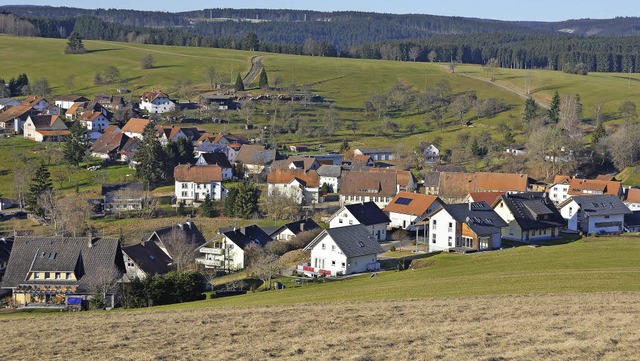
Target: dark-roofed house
(62, 270)
(465, 226)
(377, 154)
(367, 214)
(122, 197)
(377, 187)
(179, 242)
(5, 252)
(8, 102)
(406, 209)
(195, 182)
(594, 214)
(292, 229)
(145, 259)
(531, 217)
(45, 128)
(226, 251)
(294, 162)
(255, 158)
(114, 146)
(342, 251)
(219, 159)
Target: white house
(290, 230)
(302, 186)
(406, 209)
(45, 128)
(166, 134)
(632, 199)
(67, 101)
(530, 216)
(219, 159)
(330, 175)
(226, 251)
(564, 187)
(156, 102)
(95, 122)
(145, 259)
(594, 214)
(367, 214)
(194, 182)
(135, 127)
(342, 251)
(430, 152)
(466, 226)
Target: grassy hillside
(346, 83)
(571, 301)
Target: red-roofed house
(167, 134)
(632, 199)
(45, 128)
(156, 102)
(563, 187)
(194, 182)
(406, 209)
(95, 122)
(296, 183)
(135, 127)
(489, 197)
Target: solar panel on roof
(403, 201)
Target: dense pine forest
(577, 46)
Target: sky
(540, 10)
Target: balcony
(217, 251)
(210, 263)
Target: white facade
(222, 255)
(326, 255)
(132, 269)
(344, 218)
(189, 192)
(442, 231)
(431, 154)
(296, 190)
(99, 124)
(559, 193)
(381, 202)
(157, 105)
(579, 221)
(332, 182)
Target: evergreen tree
(77, 145)
(239, 85)
(247, 199)
(264, 81)
(74, 44)
(40, 183)
(597, 134)
(251, 42)
(150, 156)
(530, 109)
(207, 207)
(147, 62)
(230, 202)
(554, 108)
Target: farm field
(573, 301)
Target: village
(362, 204)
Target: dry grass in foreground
(595, 326)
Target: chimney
(188, 223)
(89, 241)
(470, 206)
(301, 226)
(242, 230)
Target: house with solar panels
(531, 217)
(367, 214)
(406, 209)
(465, 227)
(599, 214)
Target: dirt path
(256, 67)
(521, 95)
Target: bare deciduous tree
(266, 268)
(281, 206)
(571, 115)
(181, 248)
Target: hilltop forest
(573, 46)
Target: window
(68, 275)
(433, 238)
(340, 220)
(450, 243)
(185, 186)
(36, 275)
(350, 222)
(57, 275)
(433, 226)
(323, 246)
(333, 248)
(47, 275)
(333, 263)
(606, 217)
(450, 226)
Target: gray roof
(533, 210)
(111, 190)
(5, 101)
(375, 150)
(479, 216)
(600, 205)
(353, 241)
(256, 155)
(88, 259)
(329, 171)
(244, 236)
(367, 213)
(219, 159)
(149, 257)
(296, 227)
(187, 231)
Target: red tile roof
(197, 173)
(136, 125)
(283, 176)
(633, 195)
(411, 203)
